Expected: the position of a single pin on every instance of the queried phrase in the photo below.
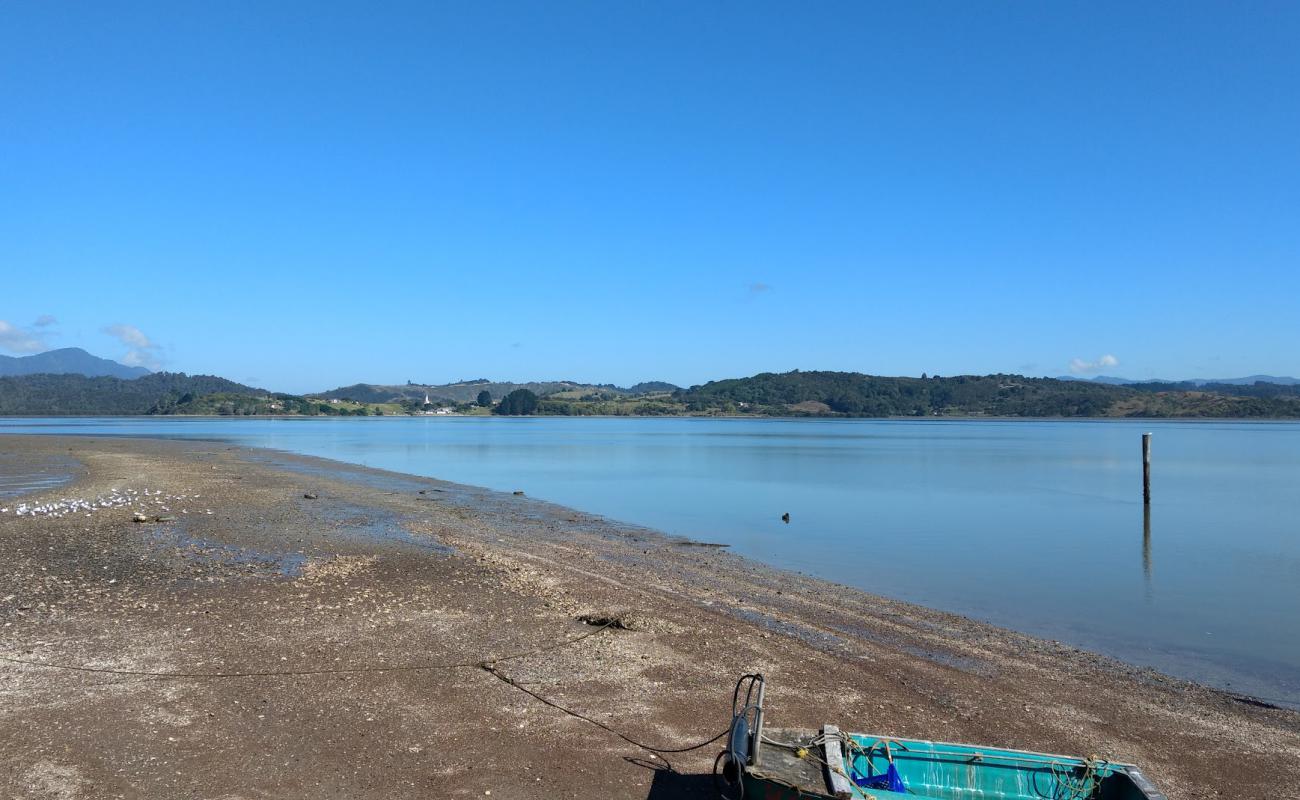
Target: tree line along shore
(789, 394)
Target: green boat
(762, 763)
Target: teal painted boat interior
(957, 772)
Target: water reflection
(1146, 548)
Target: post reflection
(1146, 548)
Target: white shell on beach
(70, 505)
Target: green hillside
(857, 395)
(827, 394)
(56, 395)
(163, 393)
(467, 391)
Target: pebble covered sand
(193, 620)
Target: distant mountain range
(1249, 380)
(68, 361)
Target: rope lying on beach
(492, 670)
(481, 663)
(486, 664)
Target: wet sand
(350, 630)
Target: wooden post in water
(1146, 468)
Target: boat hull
(794, 763)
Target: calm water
(1037, 526)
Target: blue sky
(305, 195)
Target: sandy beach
(331, 631)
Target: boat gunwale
(976, 748)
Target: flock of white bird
(140, 500)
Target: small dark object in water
(702, 544)
(139, 518)
(309, 495)
(786, 517)
(421, 491)
(518, 493)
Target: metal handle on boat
(886, 743)
(744, 738)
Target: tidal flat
(324, 632)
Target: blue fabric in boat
(890, 780)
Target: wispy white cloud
(1080, 367)
(758, 287)
(129, 335)
(45, 321)
(23, 341)
(142, 351)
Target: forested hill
(468, 391)
(858, 395)
(827, 394)
(62, 395)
